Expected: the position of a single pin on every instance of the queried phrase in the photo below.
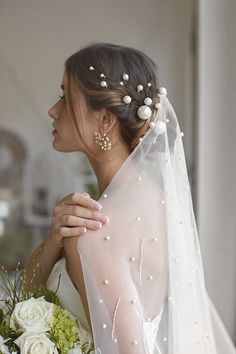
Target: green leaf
(48, 294)
(1, 316)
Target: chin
(63, 148)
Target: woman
(135, 278)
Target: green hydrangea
(64, 330)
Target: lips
(54, 129)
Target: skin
(77, 211)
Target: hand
(73, 215)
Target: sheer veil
(143, 270)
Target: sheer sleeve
(125, 270)
(143, 270)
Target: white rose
(75, 350)
(33, 315)
(35, 343)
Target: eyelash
(62, 97)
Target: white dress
(70, 299)
(67, 293)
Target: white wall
(37, 36)
(217, 149)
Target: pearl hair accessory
(144, 112)
(148, 101)
(163, 91)
(140, 88)
(103, 84)
(126, 77)
(127, 99)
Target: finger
(71, 220)
(81, 199)
(82, 212)
(72, 231)
(86, 194)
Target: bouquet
(35, 322)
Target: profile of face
(65, 137)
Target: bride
(130, 262)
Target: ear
(106, 120)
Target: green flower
(64, 330)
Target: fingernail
(83, 229)
(105, 219)
(96, 224)
(98, 206)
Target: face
(65, 138)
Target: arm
(41, 263)
(71, 217)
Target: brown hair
(113, 61)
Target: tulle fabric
(143, 271)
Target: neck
(107, 167)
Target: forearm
(39, 265)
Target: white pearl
(161, 127)
(164, 339)
(104, 325)
(107, 238)
(163, 91)
(155, 239)
(144, 112)
(135, 342)
(102, 75)
(105, 281)
(115, 340)
(121, 83)
(100, 301)
(103, 84)
(126, 77)
(139, 178)
(148, 101)
(158, 105)
(132, 259)
(182, 134)
(162, 201)
(138, 218)
(91, 68)
(127, 99)
(167, 120)
(149, 84)
(139, 88)
(152, 124)
(104, 195)
(133, 301)
(169, 298)
(150, 277)
(140, 139)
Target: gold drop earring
(102, 140)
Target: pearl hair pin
(127, 99)
(103, 83)
(140, 88)
(144, 112)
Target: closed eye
(62, 97)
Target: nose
(52, 112)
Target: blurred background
(193, 43)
